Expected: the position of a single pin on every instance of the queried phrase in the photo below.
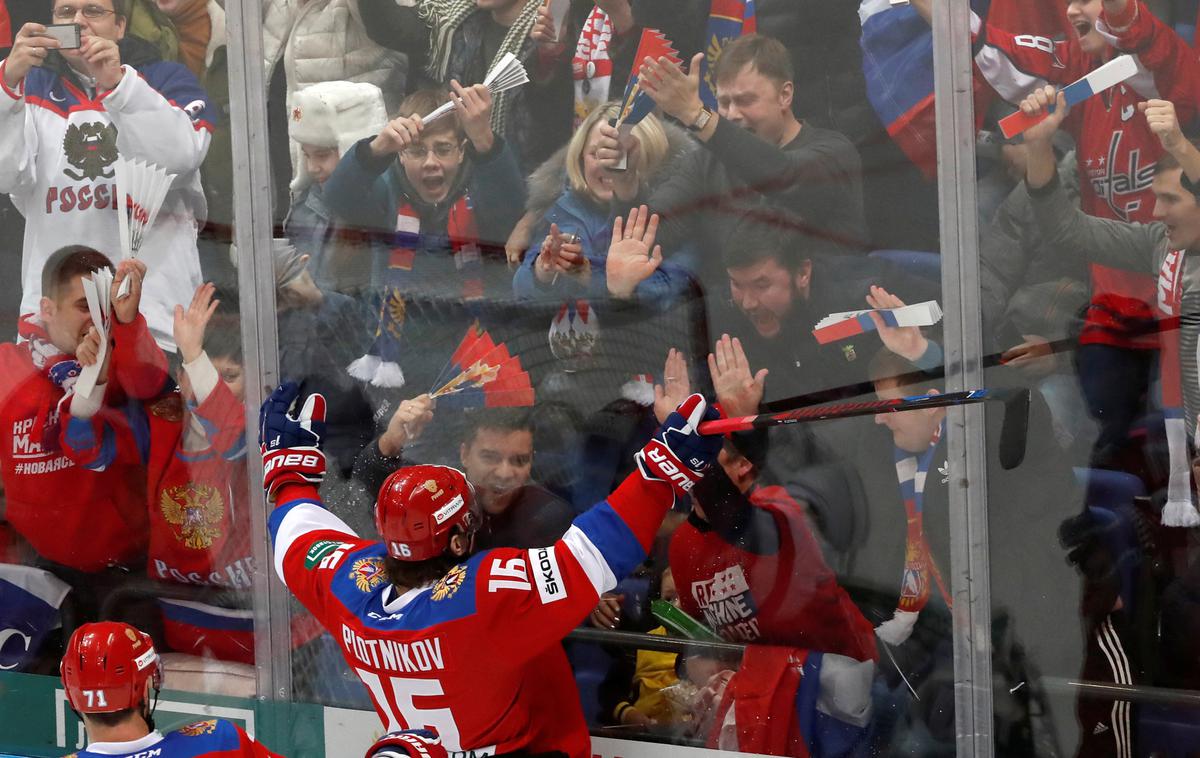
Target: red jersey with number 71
(475, 656)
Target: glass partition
(1084, 302)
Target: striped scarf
(920, 570)
(1175, 375)
(444, 17)
(592, 66)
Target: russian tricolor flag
(839, 326)
(897, 48)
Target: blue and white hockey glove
(677, 453)
(291, 444)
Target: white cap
(334, 114)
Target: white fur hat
(334, 114)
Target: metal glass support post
(969, 582)
(256, 282)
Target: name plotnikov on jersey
(407, 657)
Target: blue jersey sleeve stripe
(613, 539)
(238, 450)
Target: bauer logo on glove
(678, 454)
(668, 468)
(291, 442)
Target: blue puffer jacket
(576, 213)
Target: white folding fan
(142, 186)
(506, 74)
(96, 289)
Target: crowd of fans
(625, 267)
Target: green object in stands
(681, 624)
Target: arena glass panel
(128, 494)
(410, 281)
(1099, 554)
(480, 243)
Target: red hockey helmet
(106, 667)
(418, 507)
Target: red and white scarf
(592, 67)
(381, 364)
(1179, 509)
(920, 569)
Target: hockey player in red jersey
(109, 672)
(85, 520)
(466, 645)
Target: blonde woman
(574, 253)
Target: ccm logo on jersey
(667, 467)
(545, 569)
(307, 460)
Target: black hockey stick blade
(1014, 428)
(1013, 431)
(822, 412)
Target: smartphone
(68, 35)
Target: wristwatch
(701, 121)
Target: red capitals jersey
(790, 597)
(216, 738)
(475, 657)
(85, 517)
(1116, 152)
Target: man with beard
(780, 289)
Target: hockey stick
(1012, 432)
